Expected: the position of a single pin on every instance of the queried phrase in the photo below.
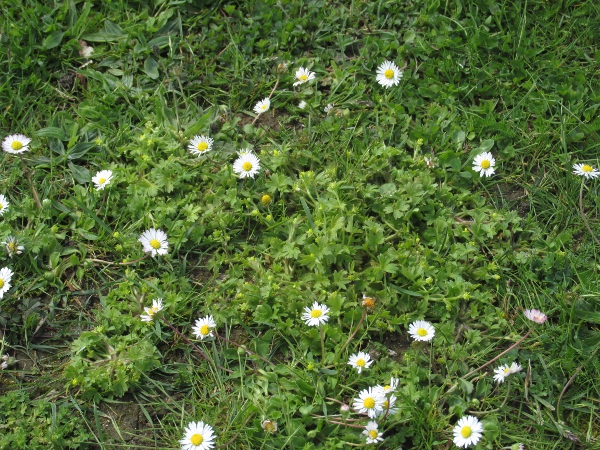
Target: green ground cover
(365, 206)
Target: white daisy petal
(421, 330)
(199, 145)
(316, 315)
(12, 246)
(360, 361)
(15, 144)
(4, 204)
(5, 277)
(388, 74)
(150, 313)
(247, 164)
(467, 431)
(198, 436)
(372, 432)
(102, 179)
(262, 106)
(585, 170)
(303, 75)
(484, 164)
(154, 242)
(369, 401)
(203, 328)
(535, 315)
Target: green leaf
(53, 40)
(53, 132)
(79, 150)
(486, 146)
(80, 173)
(151, 67)
(112, 32)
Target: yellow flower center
(204, 330)
(1, 283)
(247, 166)
(587, 168)
(16, 145)
(196, 439)
(263, 107)
(485, 164)
(466, 432)
(155, 244)
(316, 313)
(360, 362)
(507, 370)
(1, 206)
(387, 388)
(373, 434)
(422, 332)
(12, 247)
(102, 181)
(303, 77)
(385, 404)
(389, 74)
(369, 402)
(202, 146)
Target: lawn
(299, 224)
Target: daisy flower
(369, 401)
(535, 315)
(388, 74)
(303, 75)
(3, 204)
(157, 306)
(302, 104)
(360, 361)
(421, 330)
(199, 145)
(368, 302)
(372, 433)
(5, 277)
(102, 179)
(585, 170)
(12, 246)
(467, 431)
(198, 436)
(316, 315)
(503, 371)
(388, 388)
(247, 164)
(15, 144)
(484, 164)
(328, 108)
(203, 327)
(388, 406)
(154, 242)
(270, 426)
(262, 106)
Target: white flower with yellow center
(303, 75)
(3, 204)
(102, 179)
(316, 315)
(198, 436)
(372, 433)
(329, 108)
(388, 74)
(585, 170)
(360, 361)
(388, 407)
(467, 431)
(389, 388)
(12, 246)
(535, 315)
(154, 242)
(199, 145)
(262, 106)
(247, 164)
(421, 330)
(369, 401)
(484, 164)
(15, 144)
(5, 277)
(157, 306)
(203, 327)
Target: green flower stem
(112, 263)
(587, 225)
(322, 344)
(34, 192)
(243, 347)
(362, 319)
(194, 346)
(501, 354)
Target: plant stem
(587, 225)
(243, 347)
(501, 354)
(355, 331)
(194, 346)
(270, 95)
(34, 192)
(112, 263)
(322, 344)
